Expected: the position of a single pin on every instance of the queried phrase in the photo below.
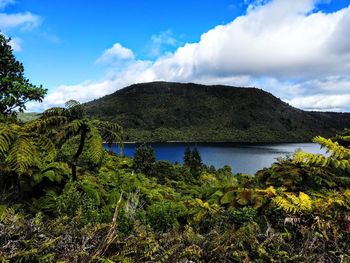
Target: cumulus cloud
(321, 102)
(89, 90)
(285, 47)
(114, 54)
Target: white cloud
(282, 46)
(114, 54)
(89, 90)
(322, 102)
(25, 21)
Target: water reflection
(243, 158)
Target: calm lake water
(243, 158)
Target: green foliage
(144, 159)
(240, 216)
(78, 133)
(164, 171)
(163, 216)
(15, 89)
(297, 210)
(294, 204)
(187, 156)
(193, 161)
(338, 159)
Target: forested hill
(163, 111)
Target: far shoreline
(211, 142)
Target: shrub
(239, 216)
(163, 216)
(144, 159)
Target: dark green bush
(163, 216)
(144, 159)
(240, 216)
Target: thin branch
(112, 233)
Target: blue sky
(72, 34)
(79, 49)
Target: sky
(298, 50)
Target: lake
(243, 158)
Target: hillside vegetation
(163, 111)
(65, 199)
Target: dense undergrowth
(117, 209)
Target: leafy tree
(15, 89)
(196, 158)
(193, 160)
(144, 159)
(70, 122)
(187, 156)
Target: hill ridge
(172, 111)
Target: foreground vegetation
(57, 205)
(64, 198)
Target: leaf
(22, 155)
(228, 197)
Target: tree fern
(69, 122)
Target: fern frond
(337, 151)
(54, 111)
(92, 190)
(70, 130)
(7, 136)
(301, 157)
(321, 160)
(42, 124)
(95, 146)
(291, 203)
(22, 155)
(53, 171)
(327, 200)
(110, 132)
(72, 103)
(269, 192)
(47, 147)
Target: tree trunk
(78, 153)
